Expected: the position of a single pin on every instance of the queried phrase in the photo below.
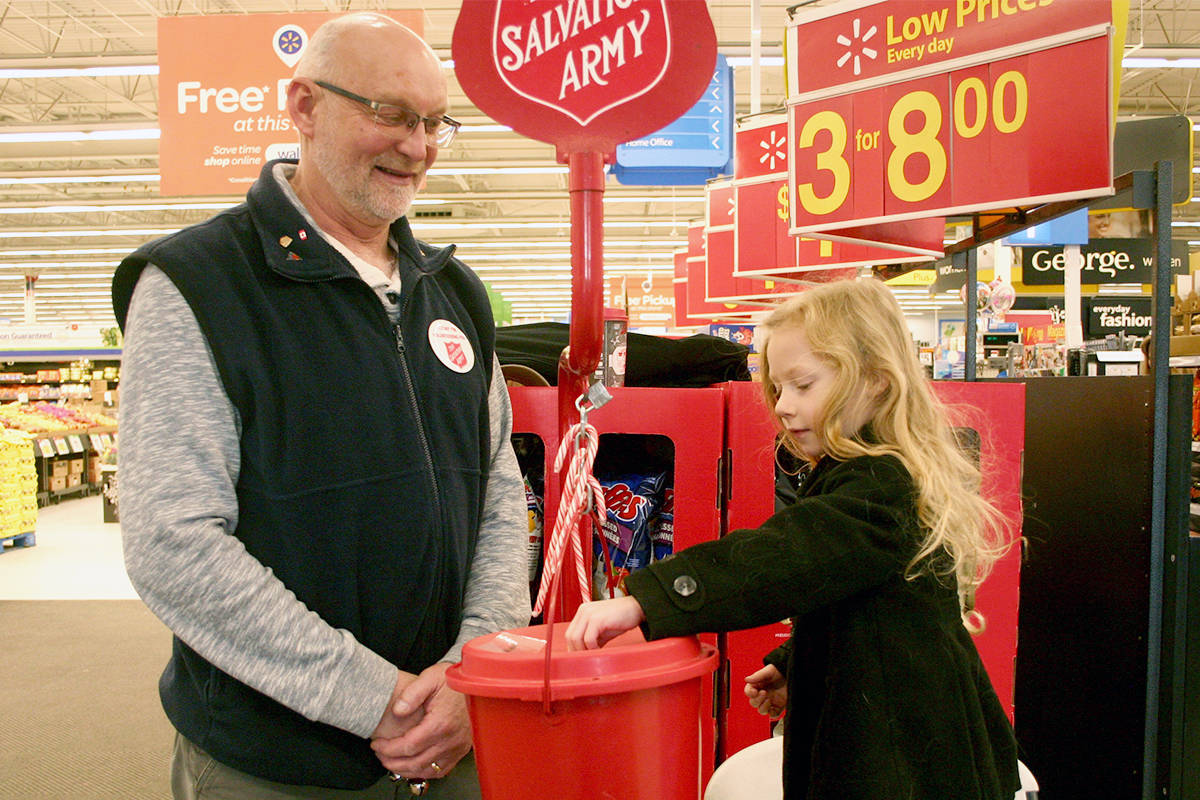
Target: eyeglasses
(439, 129)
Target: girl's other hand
(767, 691)
(597, 622)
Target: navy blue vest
(364, 456)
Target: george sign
(1026, 129)
(857, 43)
(1104, 261)
(584, 76)
(694, 148)
(222, 96)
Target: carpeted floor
(79, 711)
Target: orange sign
(222, 96)
(648, 299)
(1041, 334)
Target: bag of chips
(630, 501)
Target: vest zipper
(416, 411)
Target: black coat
(887, 696)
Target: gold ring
(436, 766)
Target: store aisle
(77, 557)
(81, 719)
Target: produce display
(47, 418)
(18, 484)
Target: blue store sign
(694, 148)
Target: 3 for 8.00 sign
(1031, 128)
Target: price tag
(1029, 129)
(96, 441)
(76, 443)
(61, 447)
(46, 448)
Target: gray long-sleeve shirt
(179, 462)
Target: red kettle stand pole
(579, 361)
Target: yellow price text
(914, 124)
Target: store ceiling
(70, 209)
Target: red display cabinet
(750, 499)
(723, 442)
(692, 420)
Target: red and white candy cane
(581, 495)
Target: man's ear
(300, 103)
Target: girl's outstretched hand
(767, 691)
(597, 622)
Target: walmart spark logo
(863, 50)
(773, 146)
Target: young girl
(876, 563)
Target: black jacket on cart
(287, 318)
(887, 695)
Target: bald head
(351, 45)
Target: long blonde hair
(857, 327)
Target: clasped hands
(425, 730)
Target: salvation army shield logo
(581, 58)
(451, 346)
(584, 75)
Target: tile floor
(77, 556)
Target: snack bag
(536, 530)
(630, 502)
(662, 527)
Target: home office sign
(584, 74)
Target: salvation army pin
(451, 345)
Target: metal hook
(582, 405)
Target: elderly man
(319, 495)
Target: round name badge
(451, 345)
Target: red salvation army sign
(585, 75)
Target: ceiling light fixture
(57, 179)
(1137, 62)
(127, 70)
(87, 233)
(100, 207)
(112, 135)
(85, 251)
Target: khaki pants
(195, 775)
